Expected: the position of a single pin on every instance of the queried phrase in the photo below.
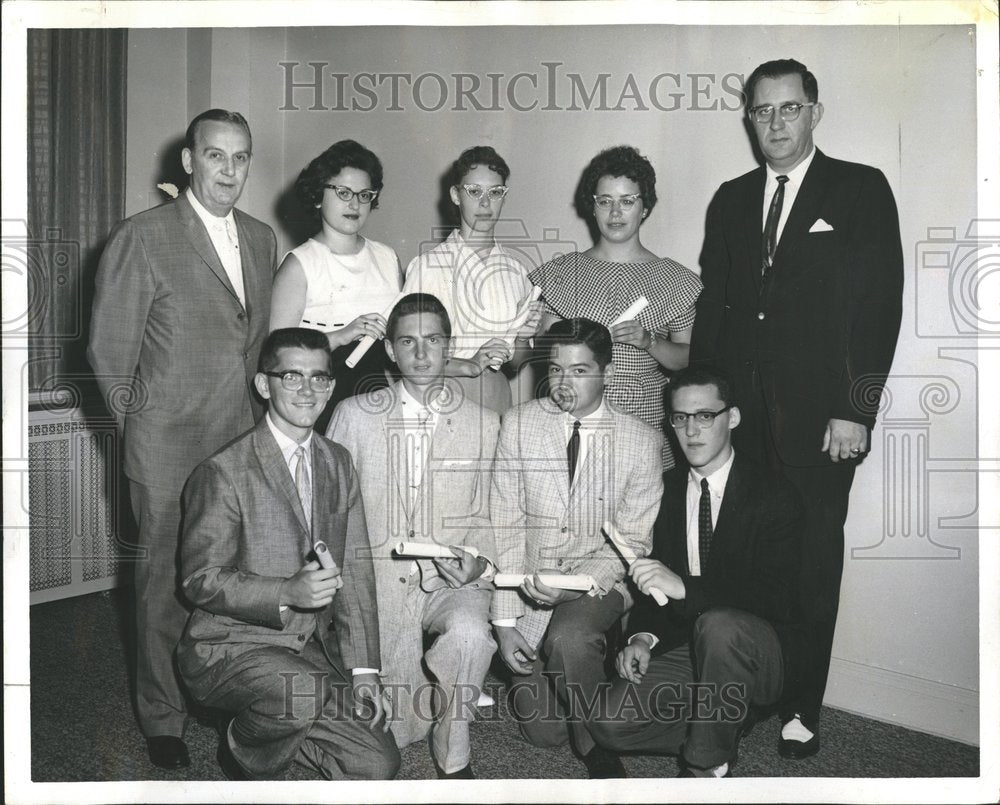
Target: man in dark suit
(803, 274)
(288, 646)
(726, 553)
(180, 310)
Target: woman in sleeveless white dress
(339, 281)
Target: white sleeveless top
(341, 287)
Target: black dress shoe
(798, 750)
(168, 752)
(603, 764)
(465, 773)
(230, 765)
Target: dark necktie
(573, 450)
(704, 526)
(771, 227)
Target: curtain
(76, 193)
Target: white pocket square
(820, 226)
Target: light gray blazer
(451, 507)
(173, 350)
(244, 533)
(540, 523)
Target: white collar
(796, 174)
(410, 406)
(601, 412)
(206, 217)
(286, 444)
(717, 480)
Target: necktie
(771, 227)
(302, 485)
(704, 526)
(573, 450)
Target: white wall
(900, 98)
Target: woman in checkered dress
(616, 194)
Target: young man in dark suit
(181, 306)
(803, 274)
(286, 644)
(726, 554)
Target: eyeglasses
(703, 419)
(494, 193)
(293, 381)
(788, 111)
(346, 194)
(625, 202)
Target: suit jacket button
(761, 315)
(563, 530)
(411, 535)
(241, 315)
(246, 356)
(402, 579)
(559, 562)
(301, 638)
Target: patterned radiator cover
(77, 505)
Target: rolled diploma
(429, 550)
(520, 318)
(630, 556)
(631, 311)
(555, 580)
(365, 343)
(323, 555)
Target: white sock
(794, 730)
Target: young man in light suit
(726, 551)
(565, 465)
(423, 455)
(182, 297)
(288, 646)
(803, 273)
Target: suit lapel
(727, 526)
(676, 516)
(395, 451)
(805, 210)
(753, 206)
(250, 254)
(276, 470)
(197, 235)
(553, 446)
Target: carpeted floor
(82, 726)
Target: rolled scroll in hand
(430, 550)
(631, 311)
(630, 556)
(523, 311)
(365, 343)
(556, 581)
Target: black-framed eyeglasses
(625, 202)
(345, 193)
(703, 419)
(494, 193)
(293, 381)
(788, 111)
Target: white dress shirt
(795, 177)
(224, 237)
(592, 426)
(716, 489)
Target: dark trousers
(289, 707)
(693, 698)
(825, 491)
(160, 611)
(552, 703)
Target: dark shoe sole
(798, 750)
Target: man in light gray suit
(180, 311)
(565, 465)
(285, 642)
(424, 454)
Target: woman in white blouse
(338, 281)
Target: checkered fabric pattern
(578, 285)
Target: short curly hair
(473, 157)
(309, 187)
(622, 160)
